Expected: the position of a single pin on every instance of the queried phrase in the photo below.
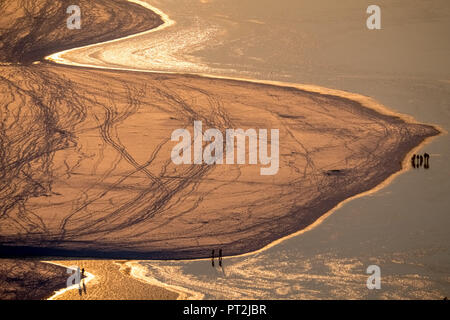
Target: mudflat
(88, 171)
(25, 279)
(112, 280)
(86, 154)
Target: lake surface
(403, 228)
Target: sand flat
(87, 167)
(29, 279)
(112, 281)
(110, 188)
(87, 170)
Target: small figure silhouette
(82, 273)
(421, 160)
(84, 288)
(413, 161)
(212, 258)
(427, 159)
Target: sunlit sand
(114, 193)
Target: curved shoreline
(114, 279)
(364, 101)
(165, 255)
(56, 294)
(139, 272)
(167, 22)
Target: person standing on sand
(427, 158)
(413, 161)
(83, 283)
(212, 258)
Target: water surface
(403, 228)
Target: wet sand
(111, 281)
(102, 159)
(97, 150)
(26, 279)
(25, 40)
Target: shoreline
(109, 280)
(56, 294)
(364, 101)
(15, 52)
(367, 102)
(139, 272)
(167, 22)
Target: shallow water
(402, 228)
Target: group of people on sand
(418, 160)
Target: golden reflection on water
(324, 276)
(263, 275)
(166, 48)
